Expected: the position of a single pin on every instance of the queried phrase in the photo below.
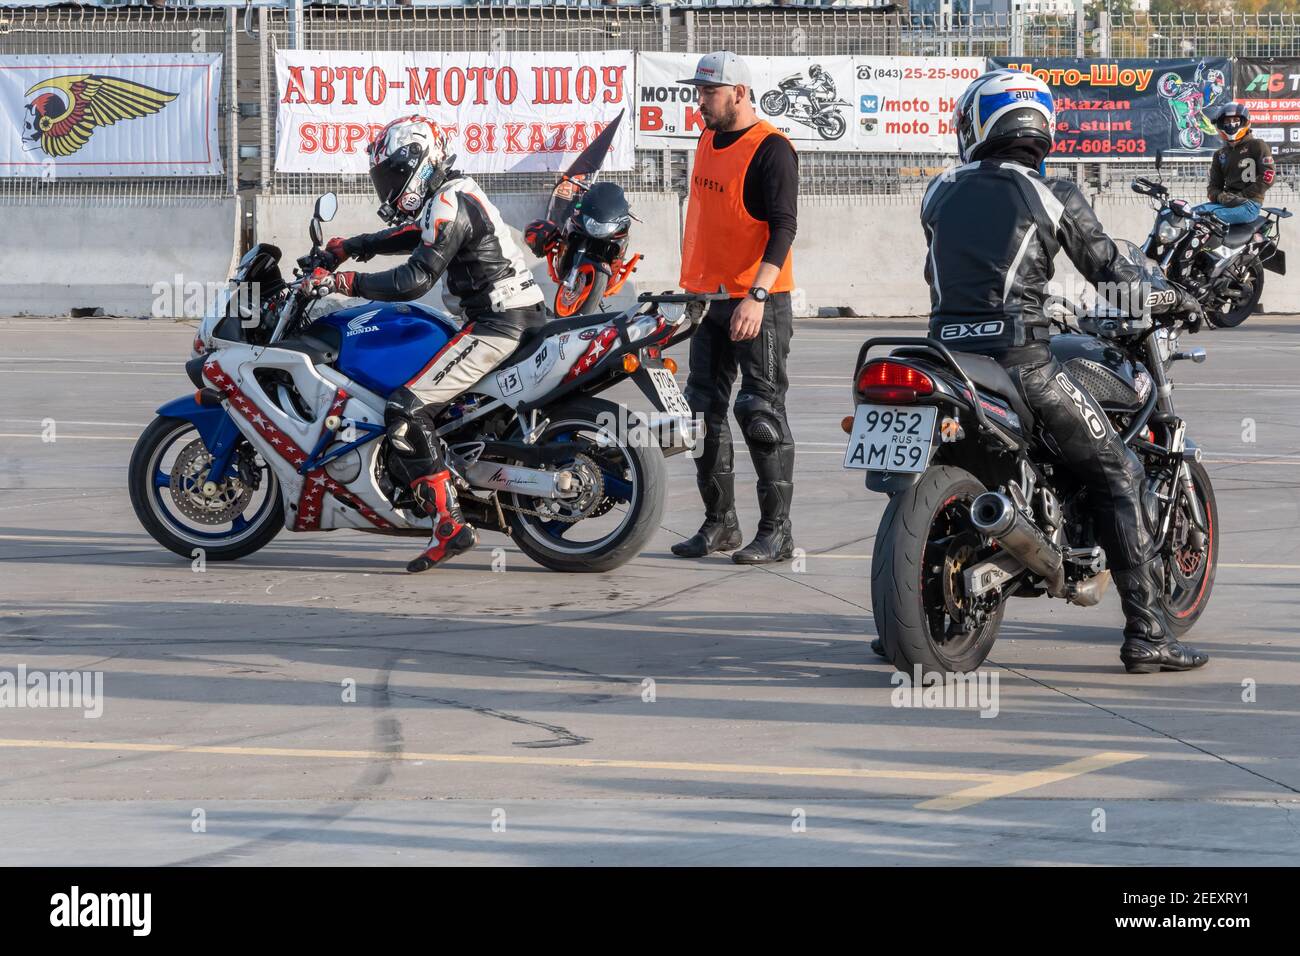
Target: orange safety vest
(724, 244)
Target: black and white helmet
(409, 160)
(1000, 107)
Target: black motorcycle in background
(982, 510)
(1222, 265)
(587, 257)
(795, 99)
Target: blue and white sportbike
(286, 429)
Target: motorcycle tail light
(886, 381)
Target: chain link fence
(249, 38)
(89, 30)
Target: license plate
(670, 396)
(891, 438)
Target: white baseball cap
(721, 68)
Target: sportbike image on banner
(1270, 89)
(506, 112)
(108, 114)
(1132, 108)
(825, 103)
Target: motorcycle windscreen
(565, 195)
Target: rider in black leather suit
(993, 226)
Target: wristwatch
(757, 294)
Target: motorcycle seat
(533, 338)
(1239, 234)
(988, 376)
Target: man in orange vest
(740, 223)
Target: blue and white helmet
(1001, 106)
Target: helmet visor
(391, 176)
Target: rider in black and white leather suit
(448, 226)
(994, 226)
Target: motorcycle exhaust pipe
(996, 517)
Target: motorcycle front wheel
(167, 480)
(924, 542)
(1189, 571)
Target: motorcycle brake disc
(188, 476)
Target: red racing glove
(540, 235)
(335, 252)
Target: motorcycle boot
(721, 528)
(419, 464)
(1147, 644)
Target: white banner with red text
(110, 114)
(507, 111)
(885, 104)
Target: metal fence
(133, 30)
(250, 37)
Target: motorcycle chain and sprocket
(594, 495)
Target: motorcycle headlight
(594, 227)
(1168, 232)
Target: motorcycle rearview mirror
(1160, 162)
(327, 207)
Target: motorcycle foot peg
(1089, 592)
(332, 422)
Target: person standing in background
(740, 224)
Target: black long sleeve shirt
(771, 192)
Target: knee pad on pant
(759, 421)
(408, 435)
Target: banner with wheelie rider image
(835, 103)
(1270, 89)
(804, 97)
(1118, 109)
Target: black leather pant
(1090, 446)
(760, 405)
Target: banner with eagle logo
(91, 114)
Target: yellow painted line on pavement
(511, 760)
(1018, 783)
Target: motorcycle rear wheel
(1254, 286)
(907, 594)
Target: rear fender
(218, 430)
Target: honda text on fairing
(287, 427)
(1222, 265)
(982, 510)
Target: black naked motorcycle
(1222, 265)
(982, 509)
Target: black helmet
(409, 159)
(1233, 122)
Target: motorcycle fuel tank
(382, 345)
(1103, 370)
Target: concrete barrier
(122, 257)
(283, 220)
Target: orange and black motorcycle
(584, 236)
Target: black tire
(900, 607)
(832, 127)
(774, 103)
(640, 522)
(148, 447)
(1246, 307)
(594, 292)
(1185, 596)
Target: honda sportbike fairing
(795, 99)
(1222, 265)
(982, 509)
(287, 427)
